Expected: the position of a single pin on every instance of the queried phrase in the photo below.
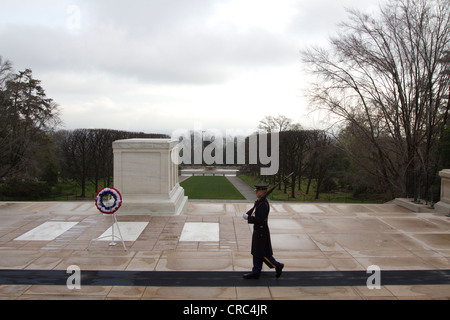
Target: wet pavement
(329, 242)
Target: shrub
(25, 190)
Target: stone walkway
(247, 191)
(305, 237)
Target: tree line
(343, 162)
(309, 154)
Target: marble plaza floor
(213, 237)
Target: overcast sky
(161, 65)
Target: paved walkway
(247, 191)
(306, 237)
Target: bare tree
(279, 123)
(77, 152)
(295, 147)
(385, 75)
(5, 72)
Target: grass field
(279, 195)
(214, 188)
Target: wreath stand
(105, 208)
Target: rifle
(260, 200)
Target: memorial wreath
(106, 206)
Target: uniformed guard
(261, 244)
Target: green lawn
(214, 188)
(279, 195)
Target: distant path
(243, 188)
(182, 178)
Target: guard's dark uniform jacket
(261, 244)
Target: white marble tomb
(444, 203)
(147, 178)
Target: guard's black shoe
(279, 270)
(251, 276)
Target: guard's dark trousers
(269, 261)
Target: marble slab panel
(284, 226)
(292, 242)
(195, 261)
(47, 231)
(305, 208)
(413, 225)
(200, 231)
(130, 231)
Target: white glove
(245, 216)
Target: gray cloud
(155, 41)
(123, 49)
